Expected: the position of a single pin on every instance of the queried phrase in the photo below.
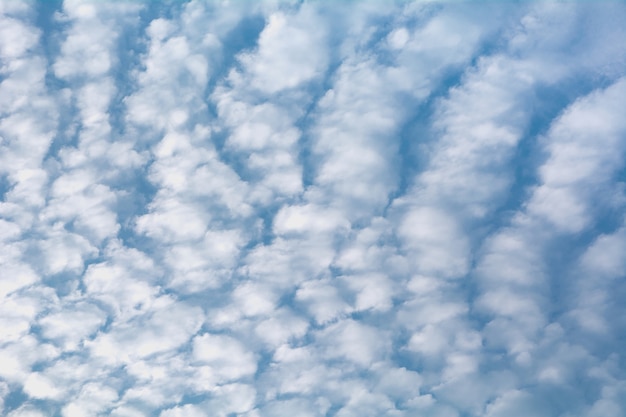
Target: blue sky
(284, 208)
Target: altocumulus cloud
(310, 209)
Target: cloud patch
(286, 208)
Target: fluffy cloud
(288, 208)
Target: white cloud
(233, 398)
(281, 327)
(39, 387)
(227, 358)
(204, 264)
(89, 55)
(264, 136)
(16, 274)
(437, 244)
(286, 263)
(515, 403)
(17, 38)
(307, 219)
(173, 221)
(65, 251)
(254, 299)
(513, 270)
(323, 300)
(119, 288)
(29, 116)
(290, 208)
(290, 407)
(373, 291)
(583, 156)
(354, 342)
(18, 356)
(93, 398)
(399, 384)
(143, 336)
(600, 267)
(291, 51)
(603, 256)
(71, 325)
(18, 312)
(184, 411)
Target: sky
(312, 209)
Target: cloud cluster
(293, 208)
